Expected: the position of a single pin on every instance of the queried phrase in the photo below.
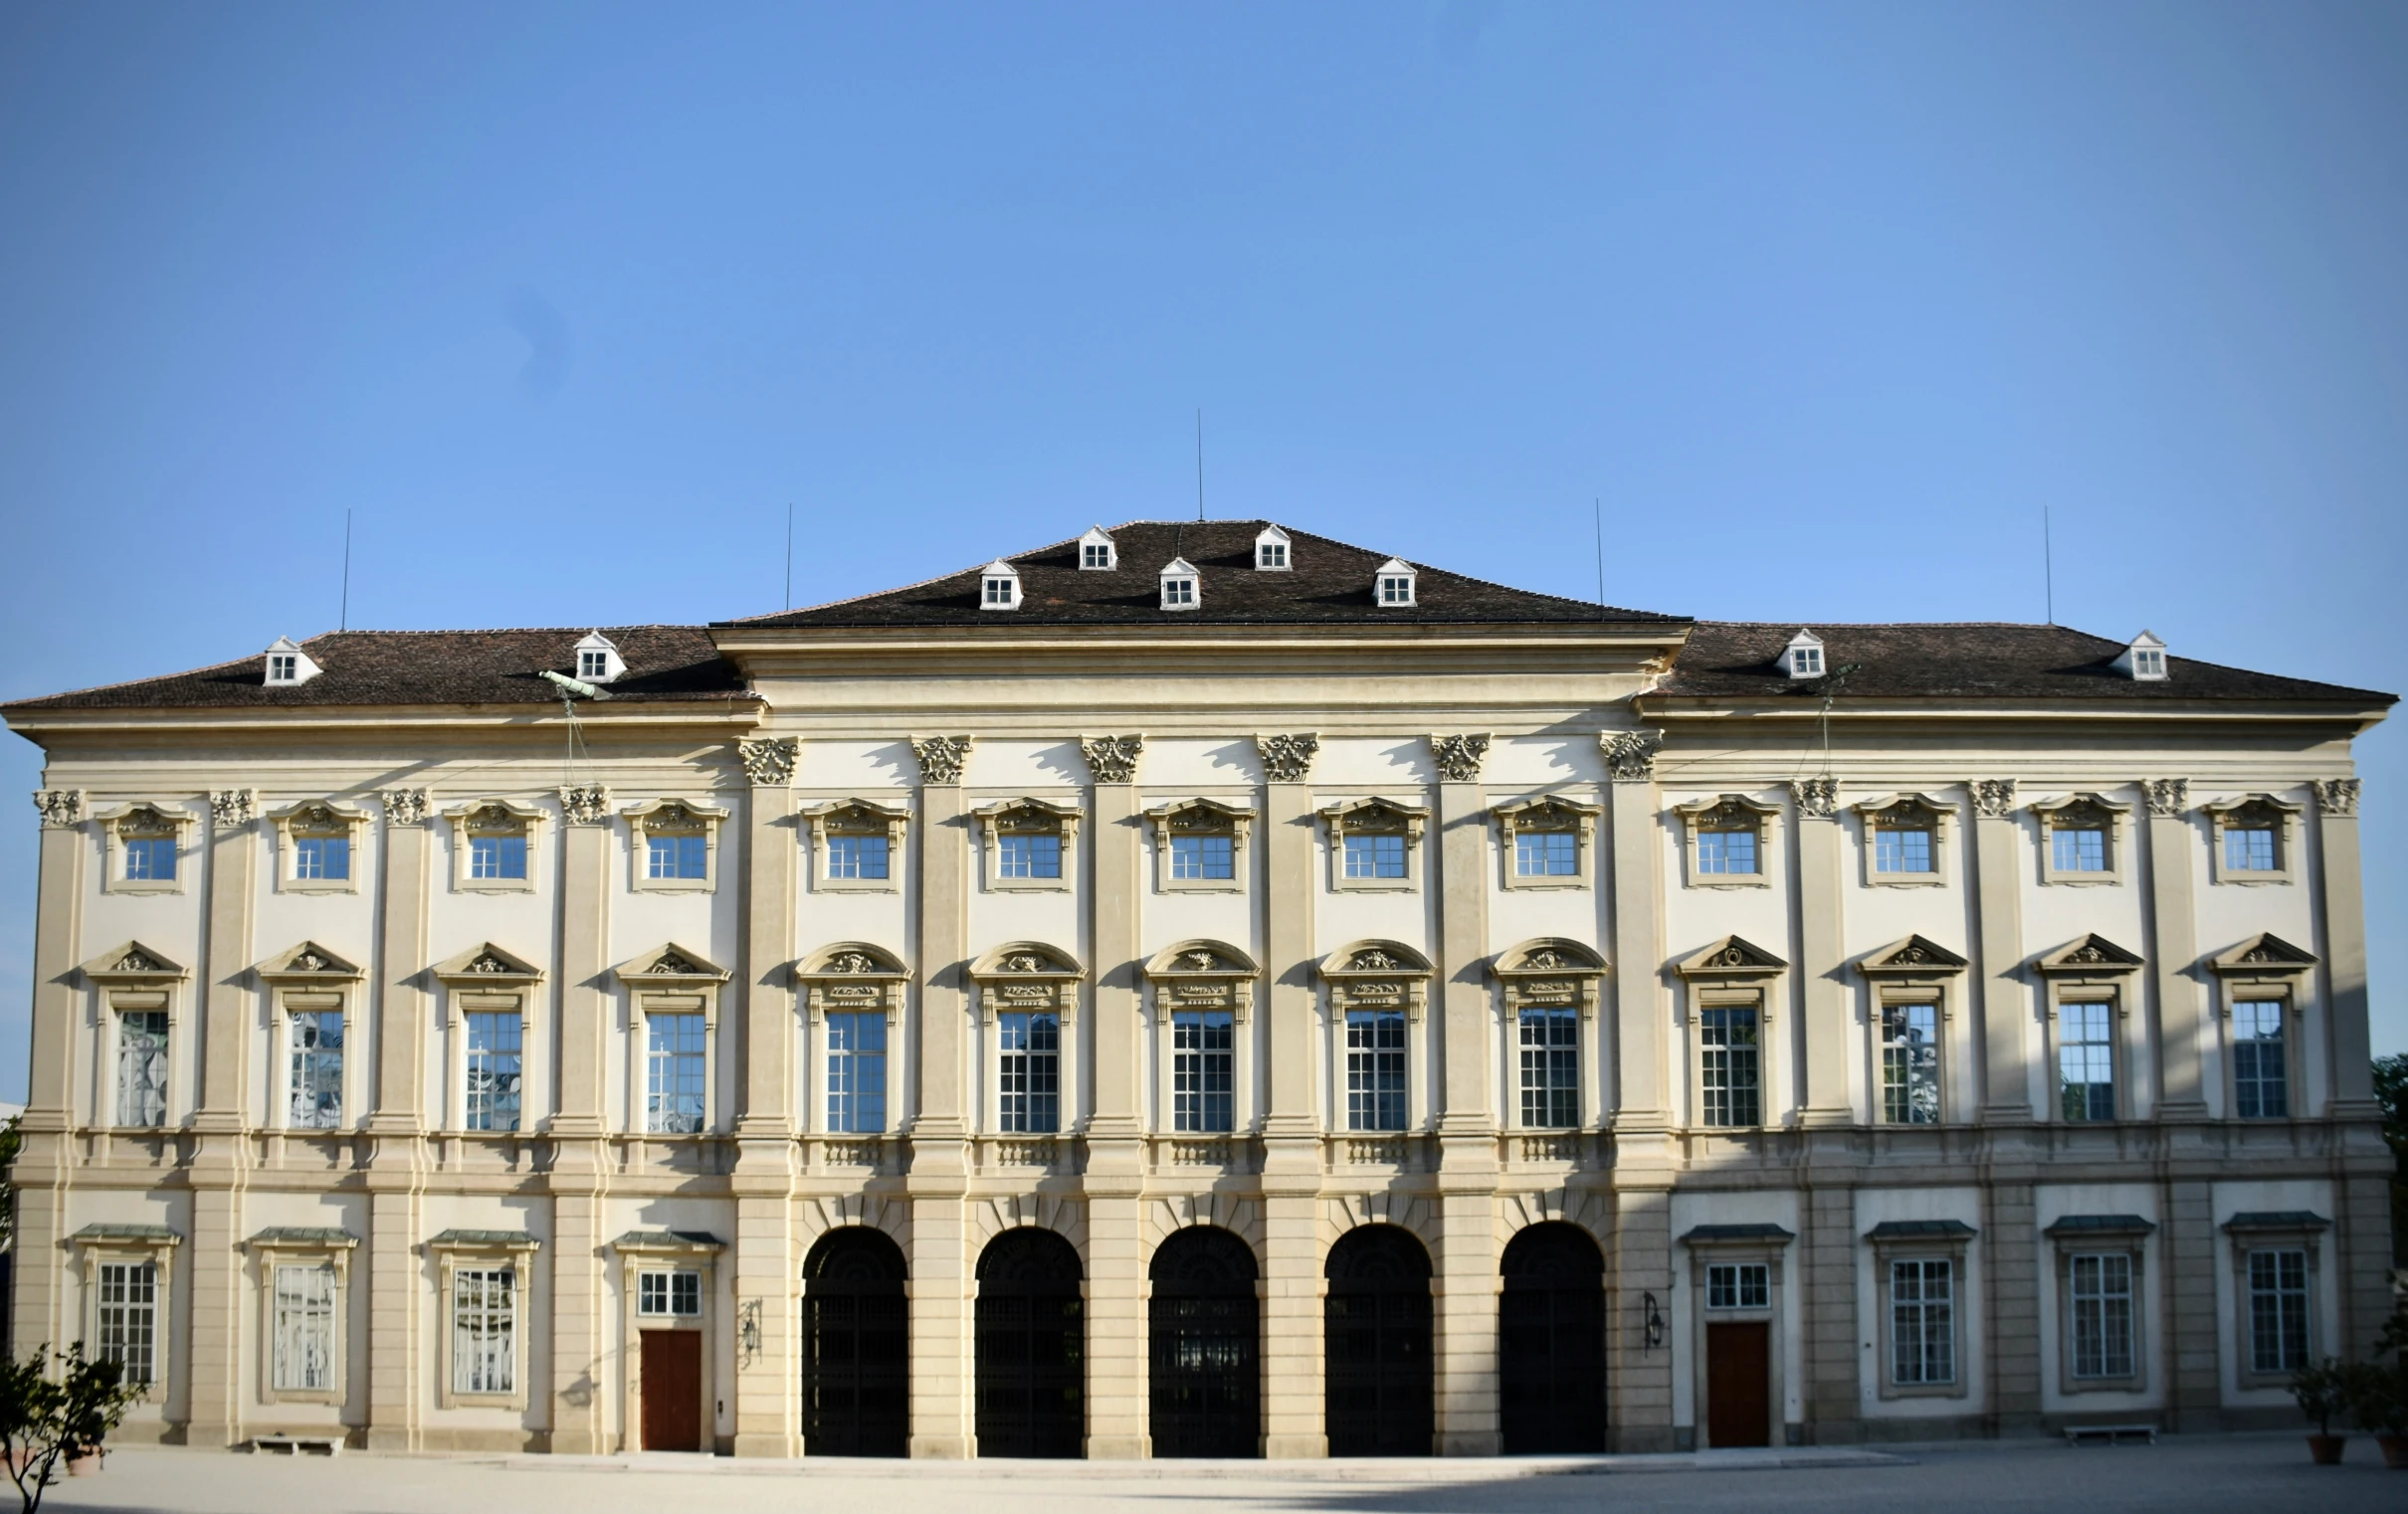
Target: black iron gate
(1032, 1347)
(1376, 1334)
(857, 1346)
(1551, 1343)
(1206, 1360)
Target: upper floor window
(1203, 856)
(1197, 843)
(1729, 841)
(591, 665)
(150, 858)
(322, 856)
(287, 664)
(2077, 848)
(598, 659)
(856, 1072)
(999, 586)
(1911, 1063)
(283, 667)
(1731, 1067)
(1375, 1069)
(1027, 842)
(317, 839)
(1395, 584)
(1203, 1070)
(143, 1068)
(2085, 1060)
(1028, 1087)
(498, 853)
(675, 855)
(674, 1074)
(1095, 557)
(1377, 855)
(1032, 855)
(1546, 842)
(493, 845)
(1096, 551)
(1903, 837)
(2253, 839)
(1550, 1068)
(2082, 840)
(2143, 660)
(2261, 1077)
(1375, 843)
(1270, 550)
(1547, 853)
(494, 1046)
(1182, 587)
(857, 844)
(1803, 656)
(316, 1072)
(857, 856)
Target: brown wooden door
(1739, 1389)
(672, 1389)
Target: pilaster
(1292, 1286)
(1467, 1283)
(2189, 1321)
(581, 1368)
(1467, 1019)
(2344, 913)
(2011, 1267)
(2178, 1021)
(1827, 1267)
(43, 1170)
(396, 1165)
(1826, 1021)
(941, 1006)
(768, 1388)
(1638, 1375)
(221, 1156)
(1638, 1054)
(942, 1290)
(2002, 1000)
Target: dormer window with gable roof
(1182, 588)
(1803, 656)
(1395, 584)
(598, 659)
(999, 586)
(1271, 551)
(1096, 551)
(289, 666)
(2143, 661)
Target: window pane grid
(1030, 856)
(322, 857)
(149, 859)
(1202, 1074)
(857, 856)
(2102, 1315)
(1551, 1068)
(1546, 854)
(1203, 856)
(143, 1068)
(484, 1324)
(2250, 849)
(2278, 1310)
(2085, 1060)
(305, 1328)
(1738, 1285)
(677, 857)
(1029, 1090)
(2261, 1087)
(1923, 1323)
(2078, 848)
(856, 1074)
(1728, 1054)
(1726, 851)
(128, 1317)
(1375, 856)
(1902, 850)
(316, 1071)
(492, 1072)
(496, 857)
(1911, 1063)
(675, 1294)
(673, 1073)
(1375, 1069)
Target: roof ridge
(854, 599)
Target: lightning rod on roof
(343, 622)
(1597, 508)
(789, 554)
(2047, 564)
(1200, 463)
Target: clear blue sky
(1826, 301)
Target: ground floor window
(1738, 1285)
(1923, 1323)
(129, 1317)
(485, 1326)
(2278, 1310)
(671, 1294)
(303, 1328)
(2102, 1315)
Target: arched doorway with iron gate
(1032, 1347)
(1206, 1362)
(857, 1346)
(1376, 1338)
(1551, 1342)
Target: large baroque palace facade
(1200, 990)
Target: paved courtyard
(2265, 1474)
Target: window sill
(1028, 886)
(1546, 885)
(1375, 886)
(853, 885)
(1201, 885)
(483, 1400)
(1731, 881)
(1907, 881)
(1890, 1392)
(317, 885)
(2083, 879)
(333, 1397)
(145, 885)
(676, 885)
(2254, 879)
(495, 886)
(2073, 1386)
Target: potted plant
(46, 1419)
(2383, 1405)
(2317, 1388)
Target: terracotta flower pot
(2326, 1449)
(2395, 1451)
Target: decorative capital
(1288, 759)
(1818, 797)
(1993, 798)
(940, 757)
(1459, 757)
(406, 807)
(1630, 756)
(62, 808)
(233, 807)
(1112, 759)
(2338, 796)
(2168, 797)
(768, 761)
(586, 804)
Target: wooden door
(672, 1389)
(1738, 1387)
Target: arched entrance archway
(1205, 1328)
(857, 1346)
(1551, 1343)
(1032, 1347)
(1376, 1337)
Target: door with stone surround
(1377, 1333)
(1738, 1387)
(1205, 1359)
(672, 1389)
(1551, 1343)
(1032, 1347)
(857, 1368)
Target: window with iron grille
(485, 1326)
(1738, 1285)
(303, 1327)
(673, 1103)
(1923, 1322)
(316, 1069)
(1911, 1063)
(2102, 1291)
(493, 1044)
(1029, 1096)
(129, 1321)
(1731, 1067)
(143, 1068)
(671, 1294)
(2278, 1310)
(856, 1074)
(1551, 1068)
(2260, 1081)
(1202, 1070)
(1375, 1069)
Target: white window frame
(1027, 816)
(1273, 551)
(286, 665)
(131, 978)
(314, 819)
(1892, 813)
(597, 661)
(1556, 974)
(1203, 977)
(1097, 553)
(1380, 815)
(1393, 587)
(1546, 813)
(2260, 970)
(1383, 976)
(2115, 814)
(852, 978)
(2121, 1236)
(484, 980)
(1803, 656)
(328, 1249)
(2251, 1233)
(1182, 587)
(2144, 659)
(999, 586)
(2285, 815)
(148, 820)
(1030, 978)
(855, 817)
(459, 1251)
(1727, 813)
(152, 1245)
(674, 817)
(467, 818)
(1946, 1244)
(1200, 817)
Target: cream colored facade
(933, 733)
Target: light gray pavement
(2263, 1475)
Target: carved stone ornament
(2338, 796)
(851, 962)
(2168, 797)
(1373, 961)
(673, 964)
(1819, 797)
(62, 808)
(489, 965)
(1630, 756)
(233, 807)
(406, 807)
(1288, 759)
(1200, 961)
(140, 961)
(1993, 798)
(586, 804)
(1546, 957)
(308, 960)
(940, 757)
(768, 760)
(2085, 954)
(1112, 759)
(1459, 757)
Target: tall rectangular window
(1030, 857)
(497, 856)
(1202, 1070)
(2102, 1315)
(143, 1068)
(316, 1069)
(493, 1046)
(1375, 855)
(1923, 1322)
(2249, 848)
(1911, 1063)
(1203, 856)
(1900, 850)
(130, 1318)
(1028, 1093)
(1726, 851)
(1551, 1068)
(856, 1074)
(857, 856)
(1546, 854)
(1731, 1067)
(2078, 849)
(2260, 1081)
(484, 1328)
(302, 1330)
(322, 857)
(2278, 1310)
(1738, 1285)
(1375, 1069)
(673, 1062)
(149, 859)
(677, 857)
(2085, 1060)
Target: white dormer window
(1803, 656)
(1180, 588)
(1096, 552)
(287, 664)
(1395, 588)
(1270, 550)
(2143, 661)
(999, 586)
(598, 659)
